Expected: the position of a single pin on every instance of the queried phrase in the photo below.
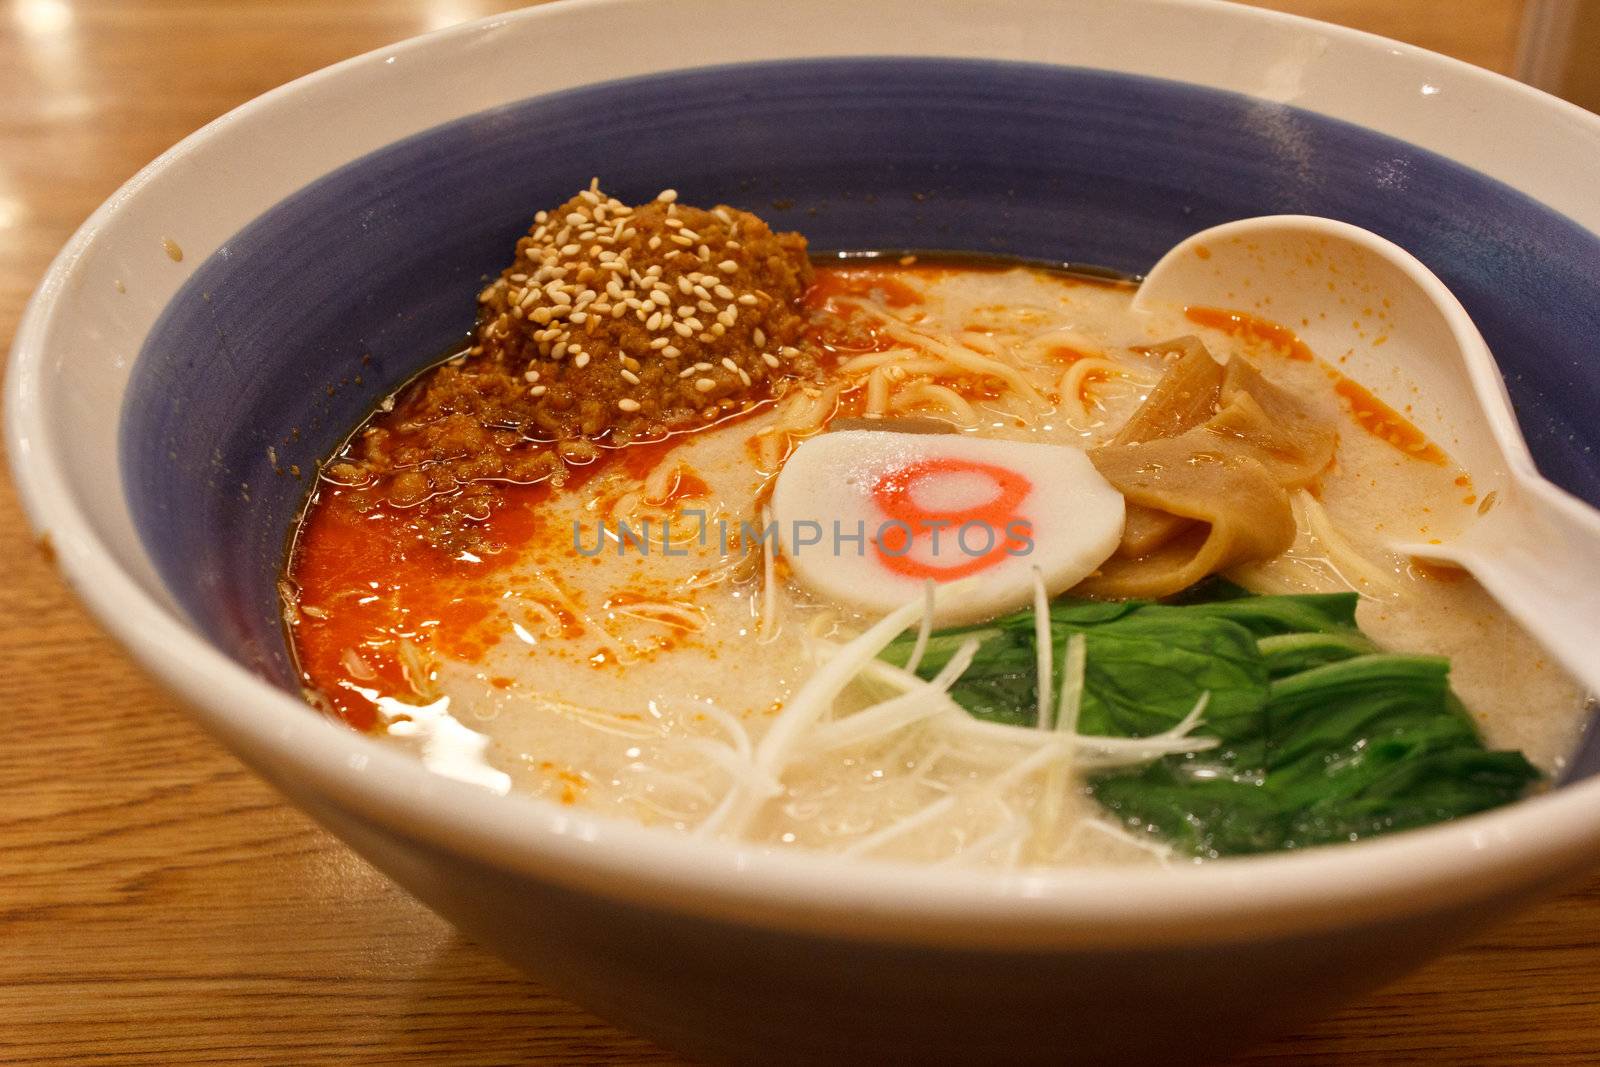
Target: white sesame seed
(690, 234)
(747, 299)
(727, 317)
(707, 306)
(577, 218)
(530, 376)
(685, 286)
(538, 390)
(759, 337)
(683, 329)
(559, 350)
(571, 249)
(667, 196)
(685, 372)
(654, 242)
(730, 364)
(727, 266)
(660, 342)
(680, 239)
(770, 360)
(661, 299)
(579, 317)
(581, 360)
(671, 352)
(628, 404)
(722, 213)
(654, 323)
(722, 291)
(674, 223)
(705, 385)
(743, 376)
(788, 351)
(630, 377)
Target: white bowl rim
(1546, 837)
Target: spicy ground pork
(637, 321)
(612, 324)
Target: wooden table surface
(158, 904)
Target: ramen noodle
(657, 620)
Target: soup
(619, 579)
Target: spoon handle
(1541, 561)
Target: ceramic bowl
(333, 233)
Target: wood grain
(1483, 32)
(160, 905)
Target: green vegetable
(1324, 738)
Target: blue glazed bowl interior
(288, 334)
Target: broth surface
(558, 656)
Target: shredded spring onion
(809, 704)
(1072, 669)
(924, 629)
(898, 712)
(1044, 648)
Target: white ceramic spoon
(1371, 309)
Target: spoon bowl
(1374, 311)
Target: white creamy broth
(636, 683)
